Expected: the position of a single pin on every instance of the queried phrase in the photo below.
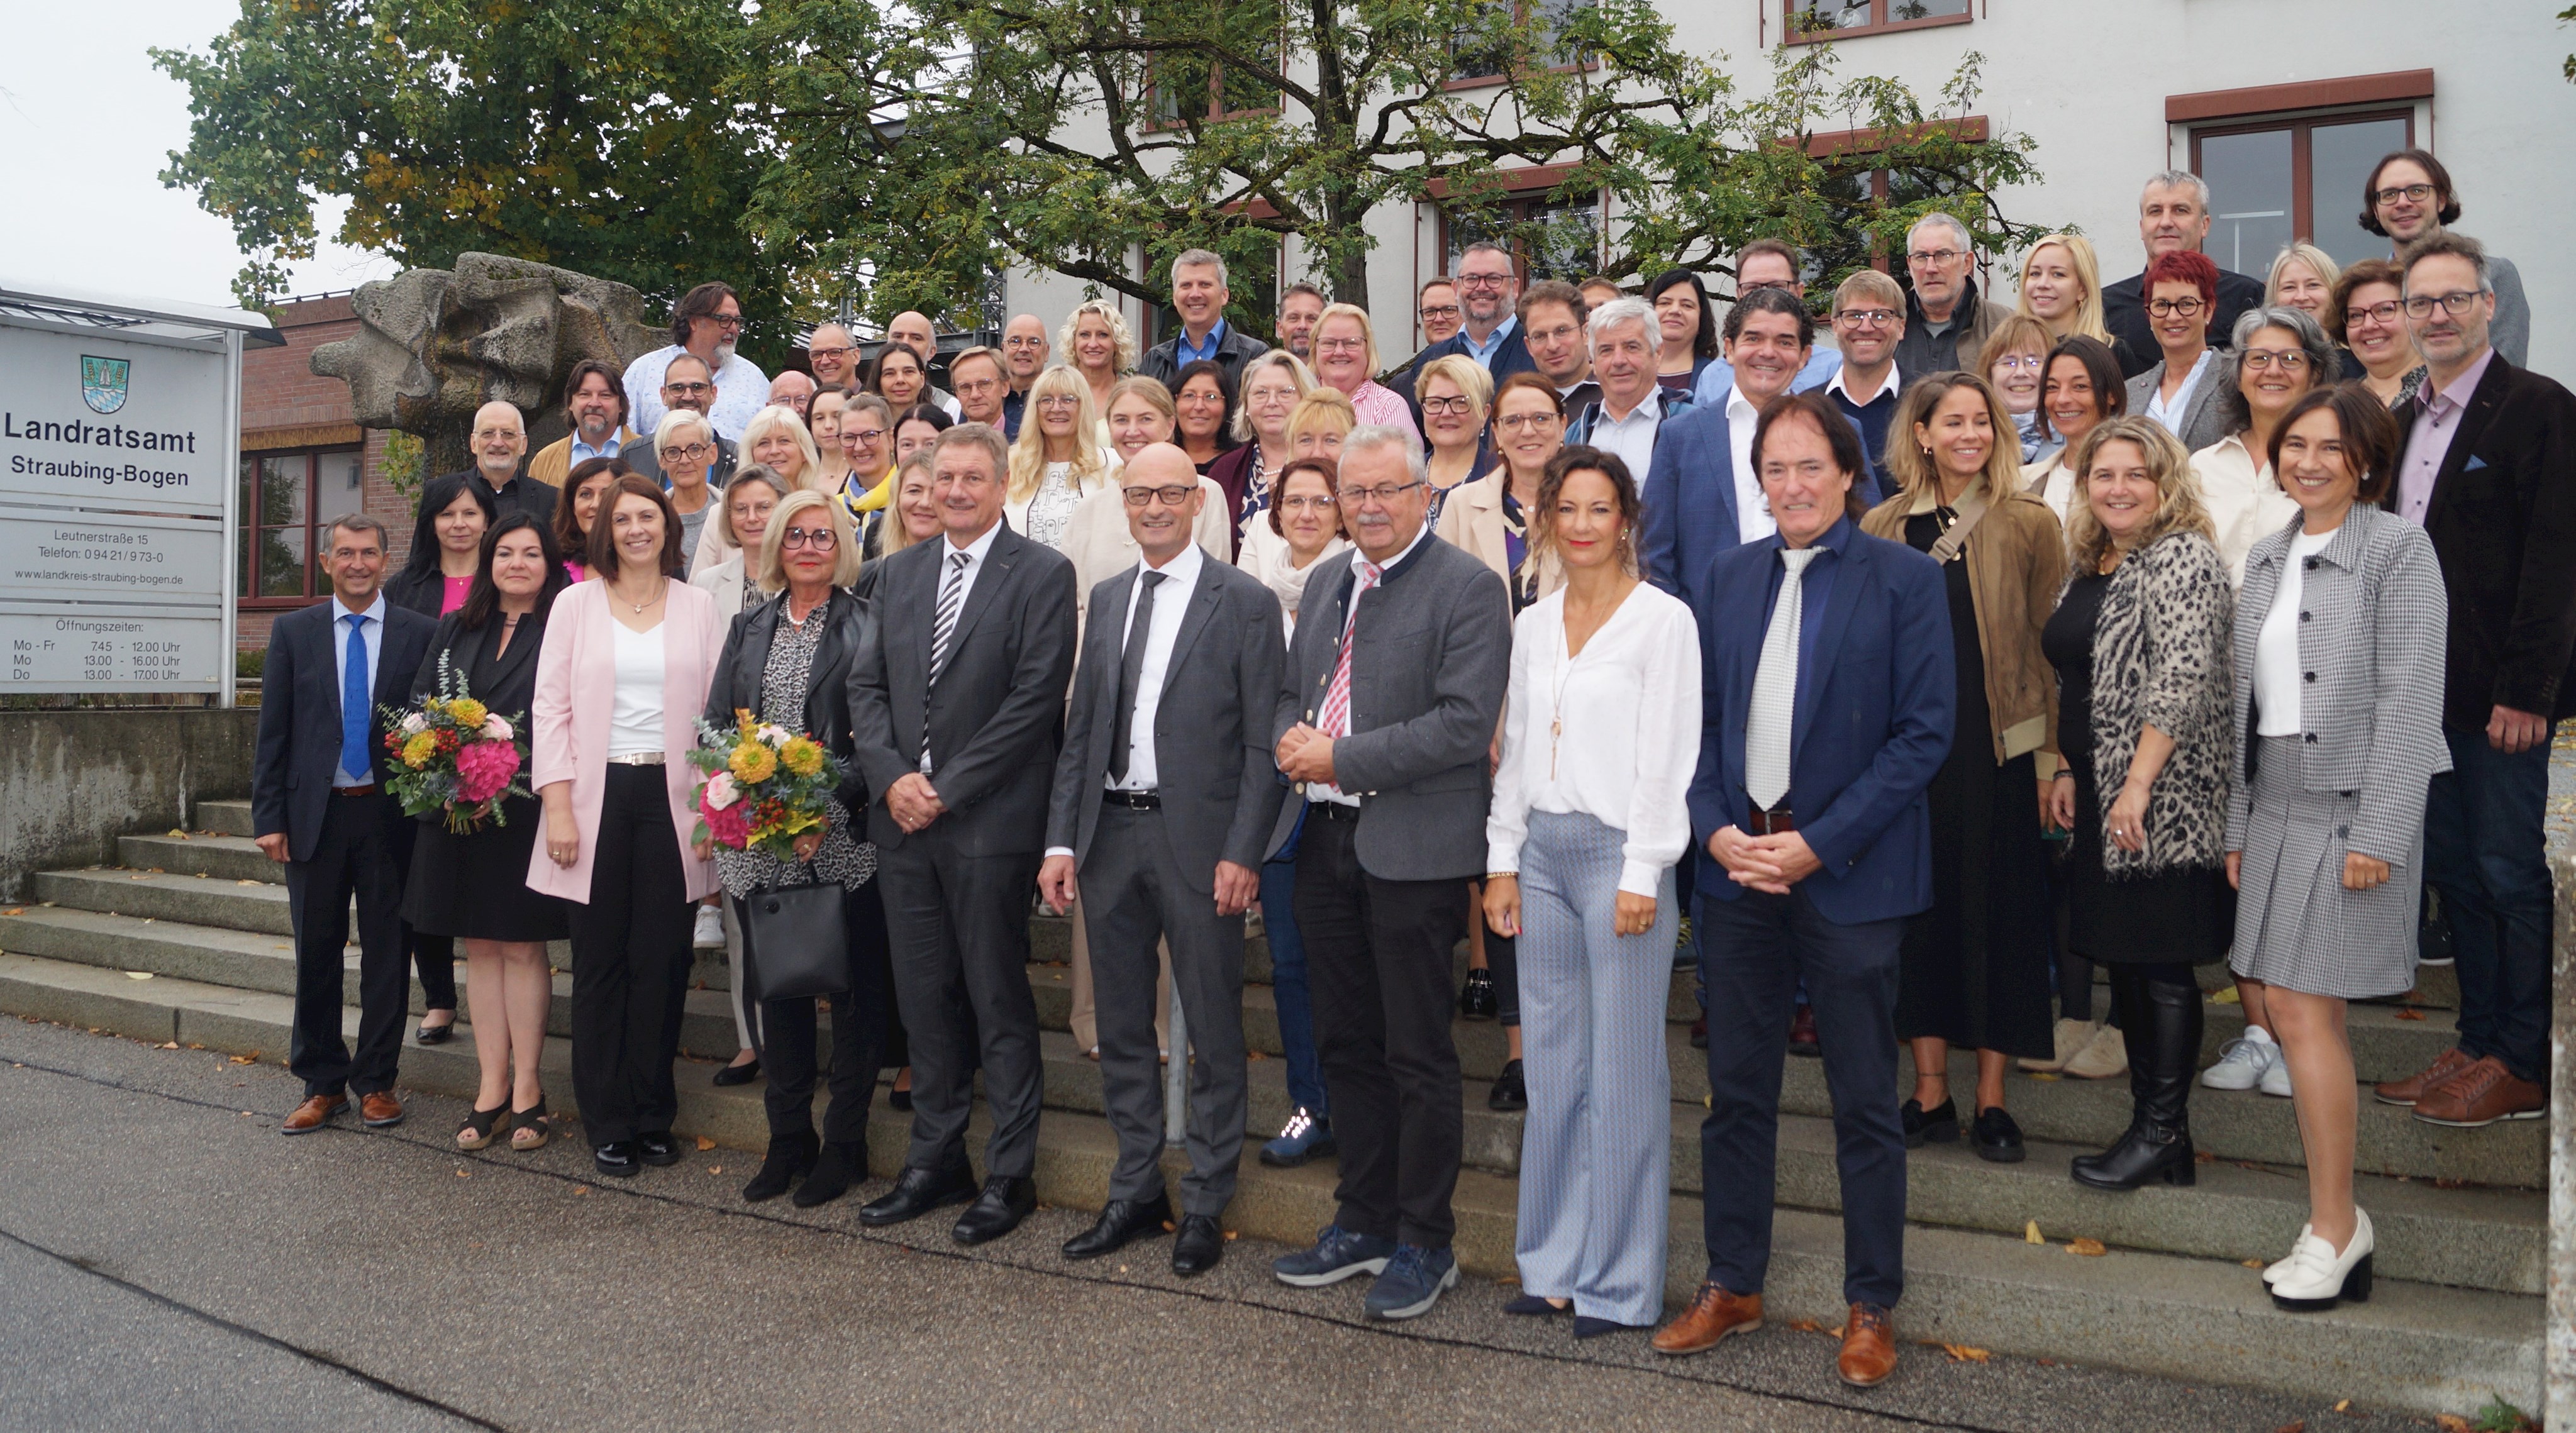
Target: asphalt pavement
(170, 1261)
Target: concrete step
(241, 904)
(224, 818)
(2414, 1346)
(229, 858)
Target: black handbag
(795, 942)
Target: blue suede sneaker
(1338, 1254)
(1305, 1137)
(1413, 1281)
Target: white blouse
(2244, 500)
(635, 708)
(2276, 645)
(1612, 734)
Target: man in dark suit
(1489, 291)
(1395, 688)
(1199, 296)
(318, 804)
(1166, 763)
(956, 705)
(1828, 699)
(2173, 213)
(2490, 471)
(500, 444)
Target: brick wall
(285, 404)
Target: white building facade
(2282, 105)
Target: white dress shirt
(1322, 790)
(372, 623)
(741, 391)
(2170, 413)
(1752, 514)
(1632, 437)
(1611, 733)
(1163, 629)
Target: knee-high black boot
(2161, 1023)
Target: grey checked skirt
(2296, 925)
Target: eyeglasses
(2394, 192)
(1170, 497)
(1433, 311)
(1932, 256)
(1517, 422)
(863, 435)
(2288, 360)
(820, 354)
(1742, 287)
(2031, 361)
(486, 435)
(1353, 497)
(1484, 281)
(1060, 400)
(689, 390)
(731, 322)
(1341, 345)
(689, 454)
(2456, 304)
(2378, 313)
(2186, 307)
(821, 540)
(1867, 317)
(1461, 405)
(1305, 504)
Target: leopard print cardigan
(2162, 657)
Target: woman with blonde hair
(1457, 396)
(2142, 644)
(2061, 286)
(1346, 359)
(1098, 346)
(1141, 412)
(1057, 461)
(1267, 391)
(778, 440)
(1973, 970)
(1319, 423)
(2303, 277)
(916, 517)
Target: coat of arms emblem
(103, 382)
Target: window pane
(281, 491)
(2249, 198)
(1566, 244)
(339, 485)
(281, 562)
(1924, 9)
(1829, 15)
(246, 521)
(2339, 160)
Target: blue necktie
(353, 702)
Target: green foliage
(597, 136)
(973, 134)
(401, 466)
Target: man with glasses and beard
(706, 326)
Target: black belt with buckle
(1133, 800)
(1334, 810)
(1758, 822)
(370, 789)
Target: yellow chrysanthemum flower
(802, 755)
(752, 763)
(417, 751)
(467, 712)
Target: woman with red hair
(2179, 391)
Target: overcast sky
(86, 125)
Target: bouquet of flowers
(453, 755)
(765, 785)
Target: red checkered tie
(1335, 720)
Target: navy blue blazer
(1689, 500)
(1875, 707)
(1512, 356)
(299, 716)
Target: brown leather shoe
(313, 1114)
(1869, 1346)
(1713, 1314)
(380, 1110)
(2414, 1087)
(2480, 1095)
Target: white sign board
(118, 469)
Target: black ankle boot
(790, 1156)
(2160, 1021)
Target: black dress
(476, 887)
(1974, 968)
(2185, 917)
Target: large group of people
(1926, 651)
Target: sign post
(120, 444)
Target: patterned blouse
(1051, 506)
(842, 858)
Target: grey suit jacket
(2372, 614)
(1430, 656)
(1212, 745)
(993, 719)
(2205, 418)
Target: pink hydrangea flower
(730, 826)
(484, 768)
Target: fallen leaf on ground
(250, 883)
(2226, 997)
(1806, 1326)
(2251, 1263)
(2048, 1076)
(2451, 1423)
(250, 1059)
(2089, 1248)
(138, 975)
(465, 1174)
(715, 1169)
(1962, 1353)
(175, 831)
(2410, 1013)
(2030, 1233)
(1233, 1234)
(169, 1044)
(14, 911)
(2344, 1407)
(2299, 1427)
(581, 1189)
(705, 1144)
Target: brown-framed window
(1481, 59)
(287, 498)
(1184, 87)
(1810, 20)
(1562, 240)
(2275, 180)
(1855, 190)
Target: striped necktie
(1335, 718)
(943, 625)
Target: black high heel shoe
(429, 1034)
(1478, 1001)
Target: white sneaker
(710, 932)
(2276, 1080)
(2242, 1063)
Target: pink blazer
(576, 671)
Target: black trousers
(364, 851)
(434, 956)
(630, 963)
(958, 927)
(860, 1024)
(1378, 957)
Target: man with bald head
(792, 391)
(499, 443)
(912, 329)
(1163, 802)
(1024, 356)
(830, 350)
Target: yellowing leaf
(1962, 1353)
(705, 1144)
(2030, 1233)
(2089, 1248)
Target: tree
(964, 135)
(602, 137)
